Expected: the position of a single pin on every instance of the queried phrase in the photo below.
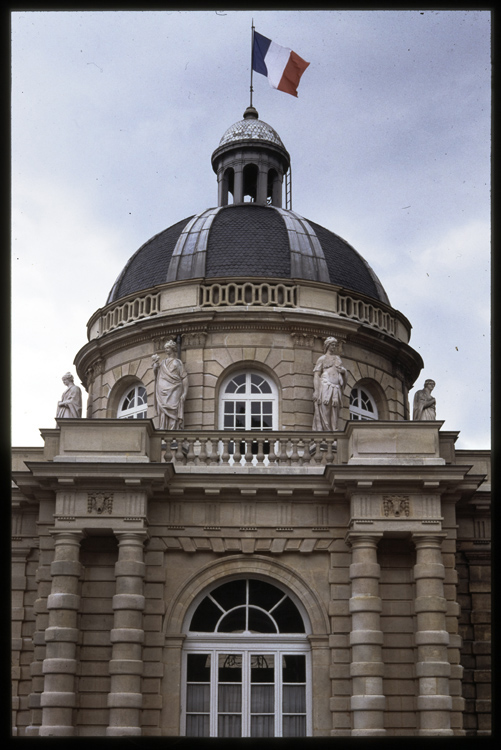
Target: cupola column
(366, 638)
(238, 191)
(262, 186)
(432, 639)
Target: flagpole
(252, 59)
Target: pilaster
(127, 637)
(432, 639)
(58, 699)
(366, 638)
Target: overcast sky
(115, 115)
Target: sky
(115, 115)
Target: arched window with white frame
(248, 401)
(362, 404)
(246, 666)
(134, 403)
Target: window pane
(288, 618)
(294, 668)
(198, 698)
(141, 395)
(229, 726)
(234, 622)
(262, 670)
(294, 726)
(294, 699)
(230, 698)
(198, 668)
(230, 667)
(255, 407)
(262, 726)
(197, 726)
(264, 594)
(206, 617)
(230, 594)
(234, 384)
(229, 407)
(229, 421)
(259, 622)
(354, 397)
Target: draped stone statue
(329, 380)
(171, 387)
(424, 407)
(70, 406)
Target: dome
(247, 240)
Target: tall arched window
(247, 668)
(362, 404)
(248, 401)
(134, 403)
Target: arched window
(247, 669)
(362, 404)
(133, 404)
(248, 401)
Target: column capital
(362, 539)
(131, 537)
(73, 536)
(429, 540)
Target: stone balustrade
(231, 448)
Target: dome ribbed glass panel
(251, 129)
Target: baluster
(272, 456)
(202, 458)
(311, 452)
(301, 449)
(283, 459)
(331, 451)
(294, 459)
(260, 450)
(168, 454)
(226, 452)
(237, 451)
(321, 451)
(190, 454)
(248, 451)
(214, 458)
(174, 446)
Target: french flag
(280, 65)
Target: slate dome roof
(247, 240)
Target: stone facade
(245, 575)
(108, 560)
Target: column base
(368, 732)
(56, 731)
(123, 732)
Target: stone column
(366, 638)
(432, 639)
(127, 636)
(61, 636)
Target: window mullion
(213, 693)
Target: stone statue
(171, 387)
(424, 403)
(70, 406)
(329, 380)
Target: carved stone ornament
(100, 502)
(194, 340)
(396, 506)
